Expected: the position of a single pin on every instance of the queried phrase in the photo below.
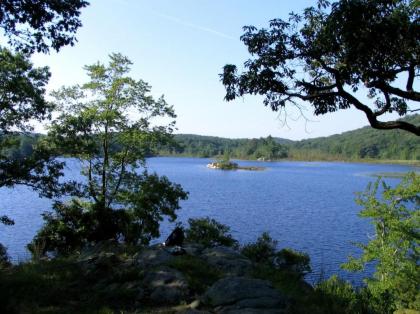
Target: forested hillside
(360, 144)
(364, 143)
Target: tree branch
(410, 80)
(372, 117)
(409, 94)
(386, 107)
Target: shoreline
(413, 163)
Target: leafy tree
(36, 26)
(209, 232)
(327, 54)
(109, 124)
(30, 26)
(395, 247)
(22, 91)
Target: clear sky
(179, 48)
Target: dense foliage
(209, 232)
(328, 53)
(209, 146)
(30, 27)
(117, 200)
(395, 247)
(364, 143)
(37, 26)
(264, 251)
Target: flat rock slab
(166, 286)
(244, 295)
(153, 257)
(227, 260)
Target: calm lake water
(308, 206)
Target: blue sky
(179, 48)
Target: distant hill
(359, 144)
(363, 143)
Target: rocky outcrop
(166, 286)
(153, 256)
(156, 277)
(227, 260)
(244, 295)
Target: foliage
(209, 146)
(363, 143)
(64, 286)
(22, 92)
(115, 201)
(264, 251)
(4, 258)
(198, 273)
(395, 247)
(293, 260)
(38, 26)
(334, 296)
(360, 144)
(328, 53)
(210, 233)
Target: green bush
(209, 232)
(199, 274)
(292, 260)
(262, 251)
(4, 257)
(395, 247)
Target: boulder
(244, 295)
(228, 260)
(166, 286)
(194, 249)
(153, 257)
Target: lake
(308, 206)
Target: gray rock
(239, 294)
(166, 286)
(193, 311)
(193, 248)
(153, 257)
(227, 260)
(252, 311)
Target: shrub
(292, 260)
(262, 251)
(4, 257)
(209, 232)
(395, 247)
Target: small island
(229, 165)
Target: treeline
(363, 143)
(210, 146)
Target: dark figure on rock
(176, 238)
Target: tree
(36, 26)
(109, 125)
(395, 246)
(30, 27)
(327, 54)
(22, 91)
